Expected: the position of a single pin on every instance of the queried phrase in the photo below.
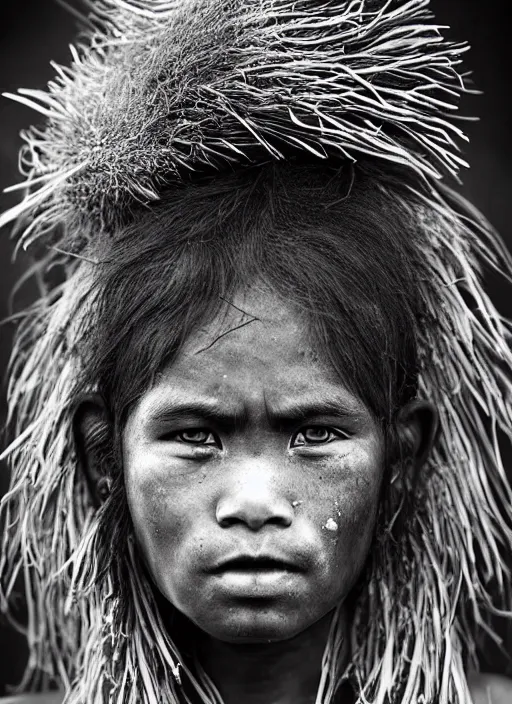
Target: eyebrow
(173, 411)
(210, 412)
(299, 412)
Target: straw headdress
(158, 94)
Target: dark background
(32, 32)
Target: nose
(254, 500)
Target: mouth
(255, 577)
(250, 564)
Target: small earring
(103, 487)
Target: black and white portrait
(255, 342)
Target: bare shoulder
(490, 689)
(46, 698)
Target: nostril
(253, 513)
(228, 521)
(253, 523)
(279, 520)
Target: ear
(417, 425)
(93, 434)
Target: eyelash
(334, 434)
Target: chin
(253, 624)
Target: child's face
(253, 478)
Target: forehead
(257, 350)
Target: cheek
(357, 493)
(169, 524)
(161, 512)
(346, 494)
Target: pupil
(317, 434)
(194, 436)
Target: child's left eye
(316, 435)
(196, 436)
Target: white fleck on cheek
(330, 524)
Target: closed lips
(255, 564)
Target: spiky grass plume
(158, 94)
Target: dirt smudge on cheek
(330, 525)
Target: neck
(286, 672)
